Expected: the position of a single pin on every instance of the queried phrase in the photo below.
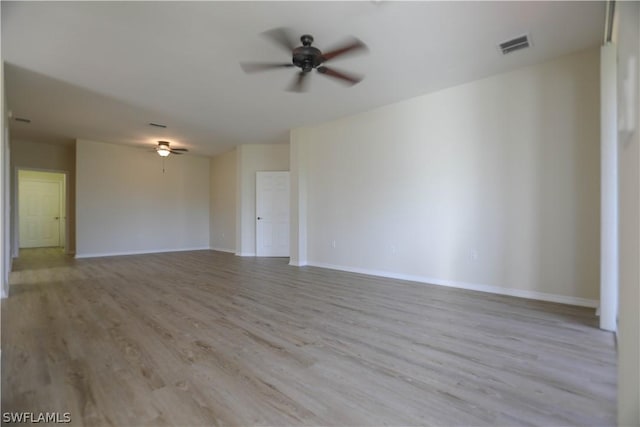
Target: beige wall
(491, 185)
(223, 202)
(252, 158)
(43, 156)
(47, 157)
(628, 42)
(126, 204)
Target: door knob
(259, 217)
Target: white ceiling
(104, 70)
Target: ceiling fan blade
(352, 46)
(175, 152)
(282, 38)
(179, 149)
(254, 67)
(298, 84)
(341, 75)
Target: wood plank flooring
(207, 338)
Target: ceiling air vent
(514, 44)
(22, 119)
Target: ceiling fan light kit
(163, 150)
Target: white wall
(298, 199)
(608, 189)
(252, 158)
(490, 185)
(223, 201)
(5, 239)
(45, 157)
(628, 42)
(126, 204)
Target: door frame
(15, 209)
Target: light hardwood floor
(207, 338)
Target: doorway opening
(42, 209)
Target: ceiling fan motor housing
(306, 56)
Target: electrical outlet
(333, 244)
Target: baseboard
(297, 263)
(245, 253)
(541, 296)
(142, 252)
(230, 251)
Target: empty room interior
(320, 213)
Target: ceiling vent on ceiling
(514, 44)
(22, 119)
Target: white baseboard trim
(245, 253)
(230, 251)
(297, 263)
(521, 293)
(141, 252)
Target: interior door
(39, 210)
(272, 214)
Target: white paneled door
(39, 213)
(272, 214)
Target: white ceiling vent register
(517, 43)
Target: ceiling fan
(164, 149)
(307, 58)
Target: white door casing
(272, 214)
(39, 207)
